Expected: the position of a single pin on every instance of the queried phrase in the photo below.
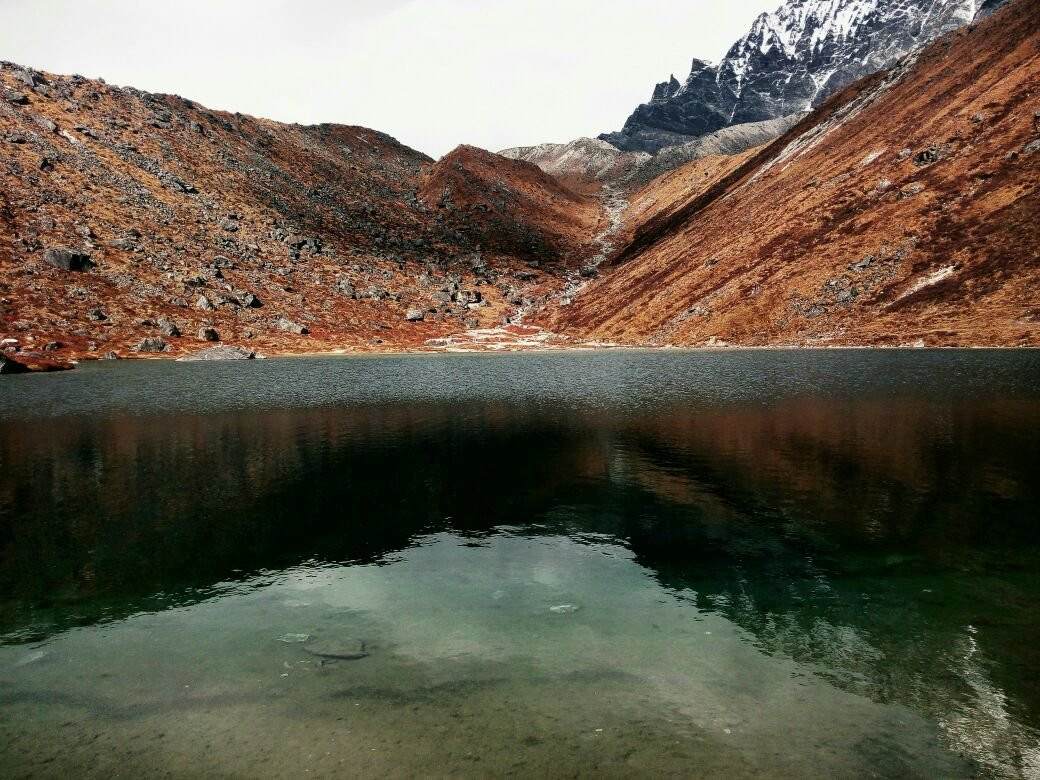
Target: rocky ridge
(134, 223)
(788, 63)
(587, 164)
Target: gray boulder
(289, 326)
(167, 327)
(11, 96)
(223, 352)
(208, 334)
(67, 260)
(415, 315)
(152, 345)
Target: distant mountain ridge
(788, 63)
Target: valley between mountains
(903, 209)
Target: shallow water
(595, 564)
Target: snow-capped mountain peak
(789, 61)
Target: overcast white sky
(432, 73)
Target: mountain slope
(584, 164)
(904, 209)
(510, 206)
(789, 62)
(258, 231)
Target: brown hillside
(278, 228)
(904, 209)
(510, 207)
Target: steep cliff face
(136, 221)
(789, 62)
(904, 210)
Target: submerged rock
(223, 352)
(564, 609)
(338, 650)
(295, 638)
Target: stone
(208, 334)
(11, 366)
(223, 352)
(67, 260)
(110, 356)
(152, 344)
(24, 77)
(295, 638)
(338, 650)
(345, 286)
(250, 301)
(1031, 147)
(564, 609)
(204, 303)
(52, 346)
(289, 326)
(414, 315)
(229, 225)
(46, 124)
(167, 327)
(11, 96)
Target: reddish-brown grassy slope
(325, 226)
(904, 209)
(511, 206)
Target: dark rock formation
(788, 63)
(67, 260)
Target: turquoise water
(595, 564)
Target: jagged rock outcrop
(789, 62)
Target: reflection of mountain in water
(894, 553)
(890, 547)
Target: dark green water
(597, 564)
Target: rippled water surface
(597, 564)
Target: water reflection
(886, 542)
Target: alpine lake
(617, 563)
